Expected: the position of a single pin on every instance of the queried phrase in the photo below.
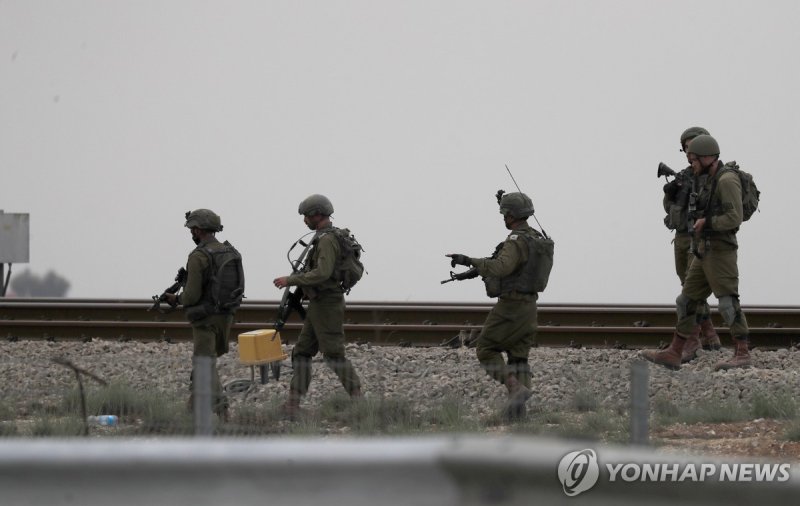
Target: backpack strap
(712, 198)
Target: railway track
(384, 323)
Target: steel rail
(393, 312)
(393, 323)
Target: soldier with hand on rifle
(323, 327)
(213, 291)
(715, 269)
(680, 203)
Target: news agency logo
(578, 471)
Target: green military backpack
(750, 193)
(227, 278)
(544, 248)
(223, 289)
(348, 269)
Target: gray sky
(116, 117)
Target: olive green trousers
(323, 332)
(717, 272)
(682, 245)
(210, 337)
(509, 328)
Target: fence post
(202, 395)
(640, 406)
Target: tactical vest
(708, 204)
(223, 283)
(706, 198)
(533, 276)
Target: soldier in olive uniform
(720, 199)
(676, 200)
(323, 329)
(510, 327)
(211, 322)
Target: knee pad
(685, 306)
(729, 308)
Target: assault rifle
(293, 300)
(671, 188)
(461, 276)
(180, 280)
(664, 170)
(687, 197)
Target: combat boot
(740, 359)
(518, 395)
(669, 357)
(291, 408)
(710, 338)
(691, 346)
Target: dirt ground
(761, 438)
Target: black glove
(458, 259)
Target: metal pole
(640, 409)
(4, 280)
(202, 395)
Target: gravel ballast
(423, 376)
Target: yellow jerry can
(260, 347)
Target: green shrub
(584, 400)
(115, 399)
(8, 429)
(793, 431)
(451, 416)
(58, 427)
(779, 405)
(665, 408)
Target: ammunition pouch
(677, 218)
(309, 292)
(493, 287)
(198, 312)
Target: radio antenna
(512, 178)
(534, 214)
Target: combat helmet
(315, 204)
(692, 132)
(517, 204)
(704, 145)
(205, 219)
